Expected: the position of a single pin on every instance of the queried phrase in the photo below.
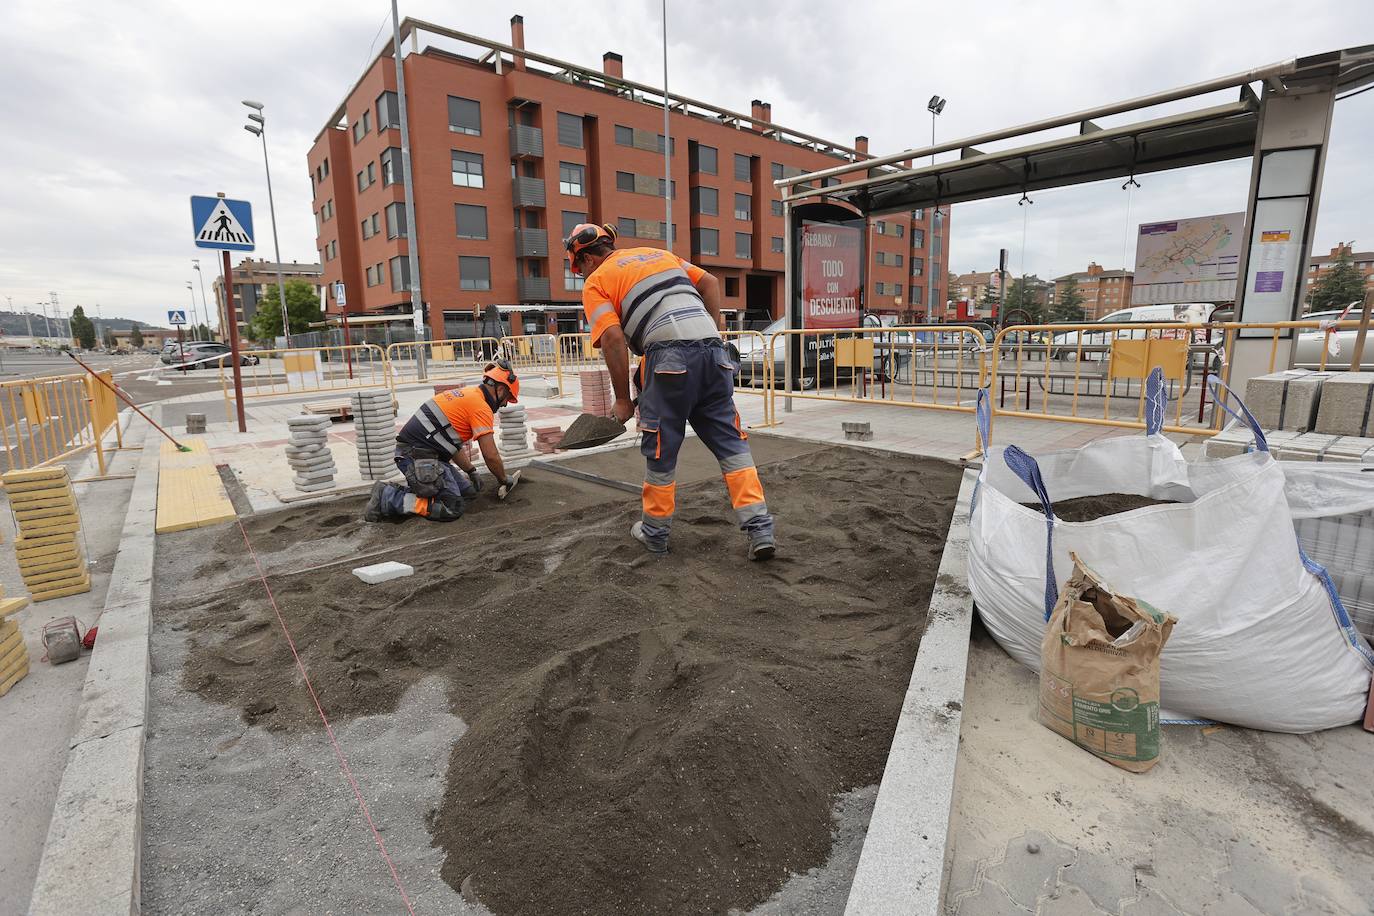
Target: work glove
(476, 480)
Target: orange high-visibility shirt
(629, 286)
(468, 411)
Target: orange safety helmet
(501, 371)
(585, 235)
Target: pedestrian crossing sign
(222, 223)
(176, 317)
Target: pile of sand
(646, 734)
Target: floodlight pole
(261, 131)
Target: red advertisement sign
(831, 275)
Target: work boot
(373, 511)
(651, 543)
(762, 545)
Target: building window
(744, 245)
(744, 206)
(467, 169)
(391, 165)
(624, 136)
(918, 213)
(732, 287)
(775, 206)
(916, 293)
(400, 273)
(362, 126)
(374, 275)
(370, 226)
(362, 181)
(474, 273)
(880, 227)
(571, 179)
(829, 182)
(898, 230)
(371, 174)
(471, 221)
(569, 130)
(705, 201)
(918, 266)
(572, 218)
(776, 171)
(327, 211)
(464, 116)
(396, 220)
(701, 158)
(706, 241)
(626, 227)
(918, 238)
(625, 181)
(661, 189)
(775, 244)
(571, 281)
(326, 167)
(898, 260)
(742, 167)
(388, 111)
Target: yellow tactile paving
(189, 491)
(11, 606)
(13, 679)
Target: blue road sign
(221, 223)
(176, 317)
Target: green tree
(1022, 299)
(1069, 305)
(83, 329)
(1338, 287)
(135, 336)
(302, 308)
(989, 296)
(202, 332)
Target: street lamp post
(195, 313)
(935, 106)
(204, 302)
(259, 129)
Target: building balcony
(532, 288)
(528, 192)
(531, 243)
(526, 141)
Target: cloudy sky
(115, 113)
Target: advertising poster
(831, 274)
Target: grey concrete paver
(1028, 875)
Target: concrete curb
(901, 867)
(91, 857)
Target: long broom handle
(125, 398)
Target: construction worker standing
(431, 442)
(651, 302)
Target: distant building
(1319, 266)
(251, 280)
(1101, 291)
(974, 286)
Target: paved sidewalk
(39, 716)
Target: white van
(1066, 343)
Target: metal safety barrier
(462, 358)
(752, 377)
(936, 367)
(306, 370)
(45, 420)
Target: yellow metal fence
(45, 420)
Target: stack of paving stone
(374, 419)
(547, 439)
(596, 392)
(308, 454)
(48, 546)
(14, 655)
(512, 436)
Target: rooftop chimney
(1094, 268)
(612, 64)
(861, 144)
(768, 111)
(756, 110)
(517, 38)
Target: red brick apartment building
(1102, 291)
(509, 149)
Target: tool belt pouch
(425, 477)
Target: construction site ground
(1231, 821)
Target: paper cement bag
(1099, 671)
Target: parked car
(1308, 352)
(207, 355)
(171, 349)
(1065, 344)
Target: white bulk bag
(1262, 640)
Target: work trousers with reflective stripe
(445, 506)
(693, 381)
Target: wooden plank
(83, 586)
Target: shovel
(600, 439)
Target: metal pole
(205, 303)
(412, 231)
(195, 317)
(932, 138)
(667, 142)
(234, 342)
(789, 292)
(276, 248)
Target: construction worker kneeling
(431, 443)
